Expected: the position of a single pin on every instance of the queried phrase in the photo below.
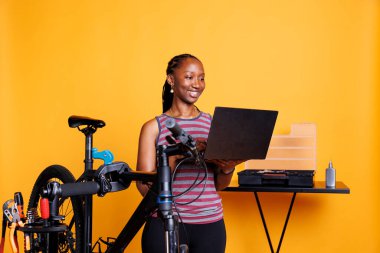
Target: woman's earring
(171, 89)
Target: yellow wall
(314, 61)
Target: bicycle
(68, 199)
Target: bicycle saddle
(76, 121)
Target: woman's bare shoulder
(150, 127)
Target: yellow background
(314, 61)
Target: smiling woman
(187, 82)
(196, 201)
(184, 72)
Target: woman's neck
(184, 112)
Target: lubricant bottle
(330, 176)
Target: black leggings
(210, 238)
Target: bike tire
(70, 208)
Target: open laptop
(240, 134)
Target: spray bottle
(330, 176)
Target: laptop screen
(240, 134)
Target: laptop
(240, 134)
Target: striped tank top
(202, 204)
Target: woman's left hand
(227, 164)
(226, 167)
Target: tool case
(291, 178)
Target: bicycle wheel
(70, 208)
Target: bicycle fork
(165, 200)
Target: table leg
(286, 221)
(265, 225)
(263, 220)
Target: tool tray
(291, 178)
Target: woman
(200, 210)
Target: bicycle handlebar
(80, 188)
(100, 187)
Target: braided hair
(167, 96)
